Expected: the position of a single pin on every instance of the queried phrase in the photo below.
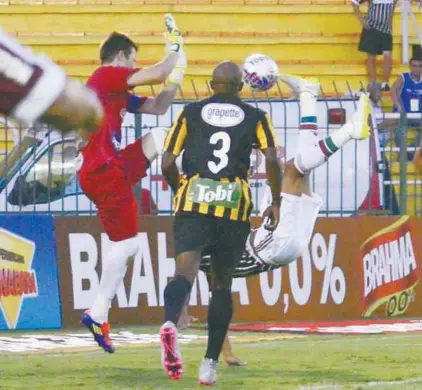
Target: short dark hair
(114, 43)
(415, 59)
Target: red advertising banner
(354, 267)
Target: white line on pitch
(359, 385)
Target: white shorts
(29, 83)
(287, 242)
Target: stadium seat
(308, 37)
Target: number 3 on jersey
(220, 153)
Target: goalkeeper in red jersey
(108, 173)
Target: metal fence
(376, 176)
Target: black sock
(219, 316)
(174, 297)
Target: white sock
(342, 136)
(308, 127)
(307, 104)
(99, 310)
(112, 275)
(313, 156)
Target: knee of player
(125, 248)
(153, 143)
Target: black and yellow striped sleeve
(265, 134)
(176, 137)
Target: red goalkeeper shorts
(111, 189)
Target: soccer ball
(260, 72)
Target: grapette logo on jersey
(390, 271)
(222, 114)
(17, 279)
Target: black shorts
(219, 237)
(375, 42)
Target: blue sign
(29, 285)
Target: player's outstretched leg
(121, 224)
(96, 319)
(284, 245)
(171, 359)
(355, 129)
(175, 295)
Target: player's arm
(396, 92)
(359, 15)
(267, 143)
(172, 66)
(173, 146)
(153, 206)
(156, 74)
(161, 103)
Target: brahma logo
(390, 271)
(17, 279)
(222, 114)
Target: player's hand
(173, 36)
(365, 24)
(417, 159)
(272, 214)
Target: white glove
(182, 62)
(177, 74)
(173, 36)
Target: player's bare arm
(170, 171)
(173, 146)
(161, 103)
(359, 15)
(395, 93)
(268, 145)
(274, 179)
(155, 74)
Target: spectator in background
(145, 201)
(376, 37)
(407, 89)
(406, 95)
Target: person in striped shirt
(376, 37)
(267, 250)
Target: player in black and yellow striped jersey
(213, 201)
(218, 154)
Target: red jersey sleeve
(111, 79)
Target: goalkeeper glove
(173, 36)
